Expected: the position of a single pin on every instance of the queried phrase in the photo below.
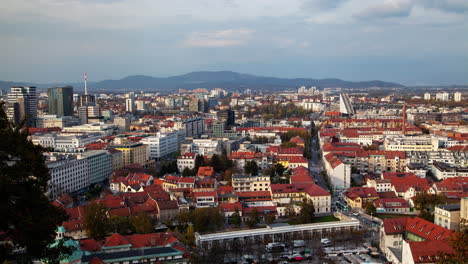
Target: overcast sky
(407, 41)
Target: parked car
(325, 242)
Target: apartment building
(133, 153)
(247, 183)
(162, 145)
(448, 216)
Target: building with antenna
(87, 106)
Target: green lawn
(321, 219)
(328, 218)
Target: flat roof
(275, 230)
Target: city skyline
(398, 41)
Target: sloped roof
(427, 230)
(395, 225)
(428, 251)
(116, 240)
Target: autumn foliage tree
(95, 220)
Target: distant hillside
(227, 80)
(208, 79)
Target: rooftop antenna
(404, 120)
(85, 86)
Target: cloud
(321, 4)
(451, 6)
(220, 38)
(387, 9)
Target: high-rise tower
(60, 101)
(22, 105)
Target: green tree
(27, 216)
(119, 224)
(199, 161)
(207, 219)
(235, 218)
(254, 219)
(370, 208)
(425, 204)
(183, 218)
(95, 220)
(269, 219)
(289, 145)
(187, 172)
(142, 223)
(251, 168)
(279, 169)
(307, 211)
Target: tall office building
(457, 97)
(22, 105)
(346, 107)
(60, 101)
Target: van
(275, 247)
(298, 243)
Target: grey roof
(450, 207)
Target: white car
(355, 213)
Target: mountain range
(207, 79)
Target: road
(315, 164)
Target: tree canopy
(307, 211)
(251, 168)
(27, 216)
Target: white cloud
(220, 38)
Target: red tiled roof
(428, 251)
(362, 192)
(333, 160)
(167, 205)
(204, 194)
(292, 159)
(112, 201)
(302, 178)
(297, 140)
(427, 230)
(188, 155)
(341, 147)
(205, 171)
(395, 225)
(242, 155)
(289, 151)
(90, 245)
(230, 207)
(391, 203)
(75, 212)
(260, 209)
(73, 225)
(151, 240)
(253, 194)
(402, 184)
(225, 189)
(116, 240)
(120, 212)
(96, 145)
(461, 148)
(187, 180)
(387, 195)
